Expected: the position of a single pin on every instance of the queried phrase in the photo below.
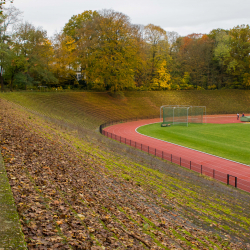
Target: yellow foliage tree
(65, 65)
(162, 78)
(157, 48)
(110, 55)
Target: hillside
(87, 108)
(75, 189)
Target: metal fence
(220, 176)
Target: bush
(212, 87)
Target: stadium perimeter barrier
(215, 174)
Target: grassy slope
(225, 140)
(86, 109)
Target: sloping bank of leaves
(71, 194)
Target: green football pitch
(230, 141)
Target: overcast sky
(182, 16)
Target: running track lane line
(128, 130)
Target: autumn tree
(157, 48)
(109, 51)
(239, 60)
(221, 55)
(9, 16)
(71, 47)
(77, 22)
(142, 76)
(32, 43)
(162, 77)
(194, 56)
(65, 59)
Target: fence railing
(213, 173)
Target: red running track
(128, 131)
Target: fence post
(201, 169)
(213, 173)
(236, 182)
(227, 179)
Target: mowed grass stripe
(230, 141)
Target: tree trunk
(1, 79)
(11, 83)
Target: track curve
(128, 130)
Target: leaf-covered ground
(72, 192)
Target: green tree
(33, 44)
(221, 55)
(77, 23)
(239, 61)
(8, 17)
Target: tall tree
(110, 51)
(33, 44)
(194, 56)
(222, 56)
(239, 61)
(162, 77)
(77, 22)
(157, 47)
(8, 17)
(65, 59)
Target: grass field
(225, 140)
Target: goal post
(196, 114)
(182, 114)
